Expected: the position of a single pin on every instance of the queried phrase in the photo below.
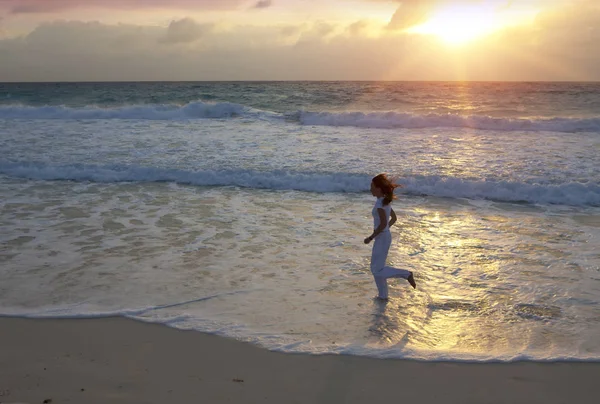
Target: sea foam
(360, 119)
(567, 193)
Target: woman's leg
(381, 246)
(391, 272)
(382, 276)
(382, 287)
(382, 272)
(379, 254)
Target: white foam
(193, 110)
(279, 180)
(568, 193)
(390, 120)
(361, 119)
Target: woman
(383, 189)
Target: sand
(116, 360)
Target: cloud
(560, 45)
(290, 30)
(414, 12)
(86, 40)
(318, 32)
(411, 13)
(263, 4)
(572, 31)
(358, 27)
(184, 31)
(574, 16)
(50, 6)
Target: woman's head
(383, 187)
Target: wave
(375, 120)
(570, 193)
(398, 120)
(192, 110)
(276, 180)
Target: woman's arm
(379, 229)
(393, 219)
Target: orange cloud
(559, 45)
(49, 6)
(411, 13)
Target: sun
(458, 25)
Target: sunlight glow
(457, 25)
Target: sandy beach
(116, 360)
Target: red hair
(387, 186)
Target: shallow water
(251, 224)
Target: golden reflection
(452, 310)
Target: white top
(388, 210)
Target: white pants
(380, 271)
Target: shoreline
(120, 360)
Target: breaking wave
(375, 120)
(570, 193)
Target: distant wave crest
(192, 110)
(391, 120)
(360, 119)
(570, 193)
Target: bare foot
(411, 280)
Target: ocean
(240, 209)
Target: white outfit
(381, 246)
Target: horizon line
(293, 81)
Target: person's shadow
(387, 325)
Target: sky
(138, 40)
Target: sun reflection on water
(468, 290)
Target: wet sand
(116, 360)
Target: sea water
(240, 209)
